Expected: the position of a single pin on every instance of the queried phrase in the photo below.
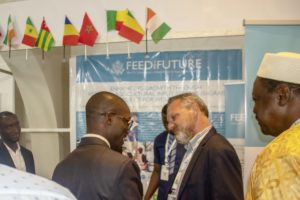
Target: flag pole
(26, 54)
(9, 50)
(146, 41)
(85, 51)
(107, 51)
(128, 50)
(43, 54)
(64, 51)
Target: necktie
(172, 155)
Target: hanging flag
(156, 27)
(131, 29)
(30, 34)
(45, 39)
(71, 35)
(88, 33)
(10, 34)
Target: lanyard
(168, 148)
(184, 164)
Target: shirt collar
(193, 142)
(97, 136)
(18, 147)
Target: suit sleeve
(226, 175)
(129, 182)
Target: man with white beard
(210, 168)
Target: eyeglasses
(126, 121)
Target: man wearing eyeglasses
(96, 169)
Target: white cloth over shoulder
(19, 185)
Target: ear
(283, 94)
(195, 110)
(108, 119)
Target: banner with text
(146, 83)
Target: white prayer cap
(284, 66)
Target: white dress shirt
(17, 157)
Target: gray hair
(188, 99)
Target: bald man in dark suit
(96, 169)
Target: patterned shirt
(276, 171)
(19, 185)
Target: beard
(184, 134)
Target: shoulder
(21, 181)
(2, 146)
(161, 138)
(113, 158)
(25, 150)
(217, 142)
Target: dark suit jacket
(7, 160)
(214, 171)
(93, 171)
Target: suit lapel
(7, 160)
(26, 158)
(194, 159)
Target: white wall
(7, 88)
(187, 18)
(42, 101)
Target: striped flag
(10, 34)
(131, 29)
(156, 27)
(45, 39)
(30, 34)
(115, 18)
(71, 35)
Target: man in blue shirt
(165, 169)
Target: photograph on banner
(146, 83)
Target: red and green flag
(45, 39)
(30, 34)
(88, 33)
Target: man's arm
(154, 181)
(226, 175)
(129, 183)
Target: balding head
(108, 115)
(104, 102)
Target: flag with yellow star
(88, 33)
(30, 34)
